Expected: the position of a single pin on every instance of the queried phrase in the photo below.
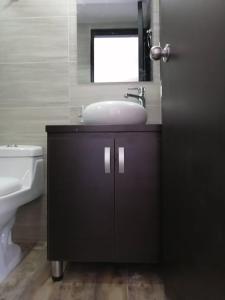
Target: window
(114, 55)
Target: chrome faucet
(140, 97)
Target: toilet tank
(20, 161)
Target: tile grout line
(30, 18)
(54, 61)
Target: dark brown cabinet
(103, 193)
(137, 197)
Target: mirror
(114, 40)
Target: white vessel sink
(114, 113)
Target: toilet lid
(9, 185)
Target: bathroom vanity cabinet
(103, 193)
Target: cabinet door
(137, 197)
(80, 197)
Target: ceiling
(109, 11)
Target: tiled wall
(38, 83)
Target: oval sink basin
(114, 113)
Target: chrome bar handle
(121, 160)
(107, 162)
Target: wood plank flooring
(31, 281)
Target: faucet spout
(127, 95)
(140, 96)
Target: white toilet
(21, 181)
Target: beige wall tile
(154, 114)
(33, 8)
(20, 120)
(34, 40)
(72, 8)
(34, 84)
(72, 39)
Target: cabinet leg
(57, 270)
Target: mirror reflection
(114, 38)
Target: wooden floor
(31, 281)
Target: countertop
(102, 128)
